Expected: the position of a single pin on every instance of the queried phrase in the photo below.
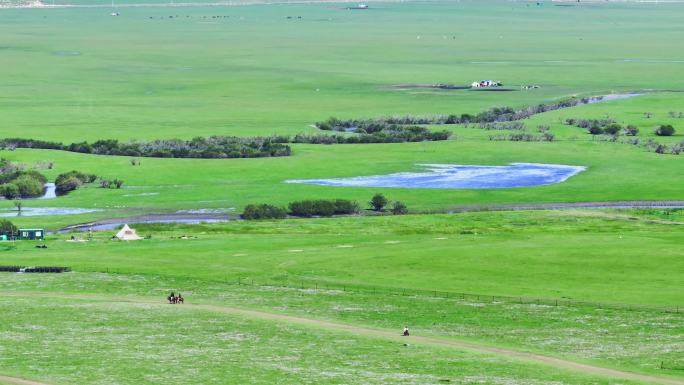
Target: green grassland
(614, 172)
(74, 74)
(579, 255)
(128, 343)
(628, 338)
(80, 74)
(622, 259)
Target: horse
(175, 299)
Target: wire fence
(351, 288)
(425, 293)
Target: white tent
(127, 234)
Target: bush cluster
(502, 126)
(320, 208)
(523, 137)
(304, 208)
(72, 180)
(199, 147)
(659, 148)
(22, 184)
(7, 227)
(323, 208)
(371, 131)
(263, 211)
(113, 183)
(603, 127)
(665, 130)
(495, 114)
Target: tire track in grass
(369, 332)
(19, 381)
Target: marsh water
(454, 176)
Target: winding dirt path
(375, 333)
(19, 381)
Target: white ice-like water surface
(460, 176)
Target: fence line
(426, 293)
(400, 291)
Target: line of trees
(649, 145)
(304, 208)
(220, 147)
(395, 134)
(320, 208)
(603, 127)
(199, 147)
(495, 114)
(523, 137)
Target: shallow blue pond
(461, 176)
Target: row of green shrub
(495, 114)
(19, 183)
(72, 180)
(523, 137)
(199, 147)
(611, 127)
(393, 134)
(319, 208)
(22, 184)
(218, 147)
(305, 208)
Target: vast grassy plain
(80, 74)
(513, 297)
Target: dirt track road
(371, 332)
(19, 381)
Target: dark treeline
(305, 208)
(492, 115)
(212, 147)
(523, 137)
(502, 126)
(219, 147)
(392, 134)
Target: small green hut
(31, 234)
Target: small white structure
(363, 6)
(127, 234)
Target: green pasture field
(574, 254)
(157, 72)
(623, 262)
(66, 341)
(81, 74)
(645, 340)
(615, 172)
